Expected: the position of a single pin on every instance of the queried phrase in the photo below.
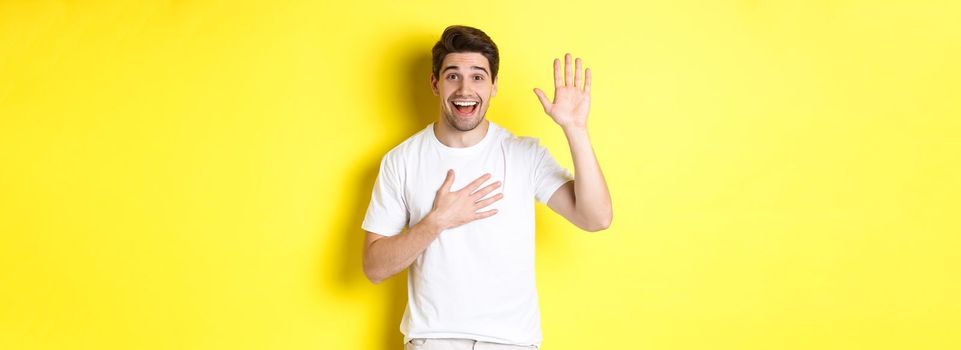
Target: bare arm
(586, 202)
(386, 256)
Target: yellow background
(193, 174)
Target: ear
(494, 91)
(433, 84)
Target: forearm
(592, 198)
(388, 256)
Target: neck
(452, 137)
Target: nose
(461, 87)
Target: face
(465, 88)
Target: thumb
(448, 182)
(544, 101)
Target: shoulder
(519, 144)
(399, 154)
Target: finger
(587, 81)
(485, 214)
(487, 189)
(445, 187)
(471, 187)
(577, 73)
(558, 81)
(488, 201)
(544, 101)
(567, 69)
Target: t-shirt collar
(462, 150)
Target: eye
(451, 76)
(478, 77)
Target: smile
(465, 108)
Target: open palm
(572, 95)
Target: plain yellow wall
(192, 175)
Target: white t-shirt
(475, 281)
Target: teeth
(465, 103)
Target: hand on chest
(427, 179)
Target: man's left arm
(586, 201)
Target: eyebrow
(473, 67)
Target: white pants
(460, 344)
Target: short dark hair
(458, 39)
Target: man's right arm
(385, 256)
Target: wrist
(432, 223)
(576, 132)
(574, 128)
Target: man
(465, 189)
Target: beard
(464, 124)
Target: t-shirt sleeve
(548, 175)
(387, 213)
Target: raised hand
(452, 209)
(572, 96)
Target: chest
(425, 176)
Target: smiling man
(455, 204)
